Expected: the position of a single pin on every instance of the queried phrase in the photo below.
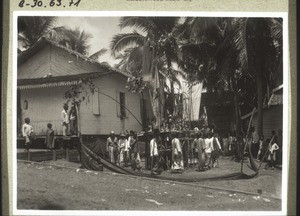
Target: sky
(102, 30)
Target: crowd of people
(124, 150)
(204, 150)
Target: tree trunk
(237, 113)
(259, 67)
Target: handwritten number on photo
(37, 3)
(75, 3)
(52, 3)
(21, 4)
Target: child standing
(49, 137)
(272, 154)
(27, 132)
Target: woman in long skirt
(201, 153)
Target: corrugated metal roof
(43, 42)
(275, 99)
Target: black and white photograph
(150, 112)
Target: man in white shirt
(208, 149)
(154, 152)
(65, 119)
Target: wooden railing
(40, 127)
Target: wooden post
(67, 154)
(54, 155)
(147, 154)
(28, 155)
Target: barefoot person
(201, 153)
(217, 151)
(111, 147)
(208, 150)
(27, 132)
(49, 137)
(154, 152)
(121, 146)
(177, 162)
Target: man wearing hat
(111, 147)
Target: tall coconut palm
(254, 45)
(77, 40)
(240, 54)
(154, 32)
(31, 29)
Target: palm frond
(33, 28)
(122, 41)
(140, 23)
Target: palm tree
(77, 40)
(155, 33)
(31, 29)
(255, 47)
(238, 54)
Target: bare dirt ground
(50, 187)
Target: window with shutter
(122, 105)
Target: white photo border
(286, 109)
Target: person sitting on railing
(27, 132)
(49, 141)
